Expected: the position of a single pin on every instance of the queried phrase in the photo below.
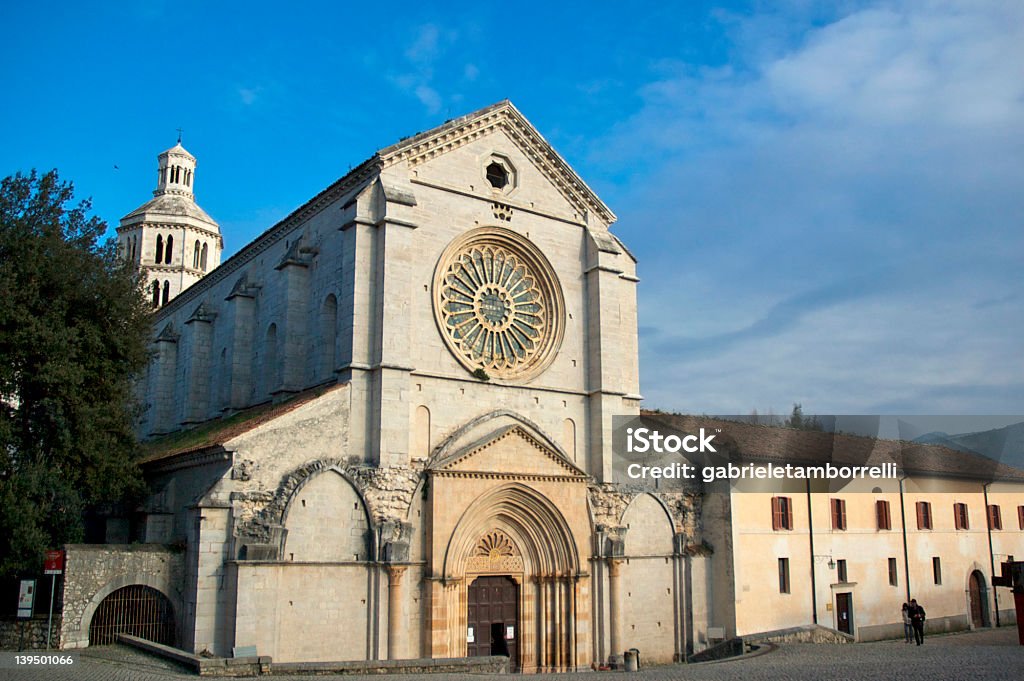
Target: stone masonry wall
(96, 571)
(29, 634)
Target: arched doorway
(512, 535)
(136, 610)
(979, 599)
(493, 618)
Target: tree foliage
(73, 329)
(798, 420)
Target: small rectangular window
(893, 575)
(838, 514)
(995, 518)
(924, 515)
(782, 513)
(937, 570)
(783, 575)
(841, 570)
(961, 520)
(882, 515)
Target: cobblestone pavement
(990, 654)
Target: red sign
(54, 563)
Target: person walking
(908, 627)
(917, 620)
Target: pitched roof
(505, 116)
(173, 205)
(217, 432)
(755, 442)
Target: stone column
(396, 641)
(615, 612)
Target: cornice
(573, 472)
(504, 116)
(358, 177)
(490, 475)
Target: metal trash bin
(632, 660)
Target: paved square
(989, 654)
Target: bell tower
(170, 238)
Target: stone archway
(138, 610)
(515, 532)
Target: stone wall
(93, 572)
(29, 634)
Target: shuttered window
(995, 518)
(782, 513)
(924, 515)
(961, 520)
(882, 515)
(838, 514)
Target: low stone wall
(880, 632)
(203, 666)
(445, 665)
(731, 648)
(94, 571)
(946, 625)
(810, 633)
(29, 634)
(255, 666)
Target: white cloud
(248, 95)
(429, 97)
(425, 53)
(837, 221)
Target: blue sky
(826, 199)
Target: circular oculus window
(498, 304)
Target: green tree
(73, 330)
(800, 422)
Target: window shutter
(995, 520)
(776, 514)
(789, 514)
(882, 515)
(920, 515)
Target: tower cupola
(170, 238)
(176, 172)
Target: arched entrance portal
(137, 610)
(978, 598)
(493, 618)
(512, 573)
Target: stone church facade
(383, 429)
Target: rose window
(497, 304)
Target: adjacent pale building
(790, 553)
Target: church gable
(511, 450)
(497, 153)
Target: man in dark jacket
(917, 620)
